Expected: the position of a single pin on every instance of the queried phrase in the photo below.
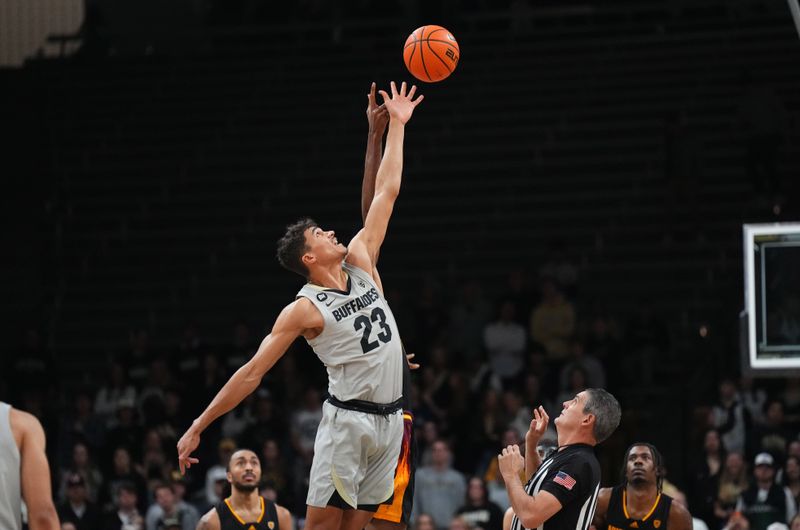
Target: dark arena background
(571, 216)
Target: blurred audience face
(476, 491)
(165, 498)
(126, 500)
(425, 522)
(795, 524)
(792, 469)
(510, 437)
(80, 455)
(271, 452)
(76, 494)
(459, 524)
(122, 460)
(794, 448)
(764, 473)
(727, 391)
(430, 432)
(775, 413)
(440, 454)
(734, 463)
(711, 442)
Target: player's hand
(401, 105)
(538, 426)
(511, 462)
(377, 115)
(186, 445)
(411, 366)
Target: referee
(561, 493)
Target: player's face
(323, 245)
(641, 468)
(244, 472)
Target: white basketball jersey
(360, 344)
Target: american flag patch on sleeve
(564, 479)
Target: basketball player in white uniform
(342, 314)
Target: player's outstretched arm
(34, 472)
(366, 245)
(534, 510)
(294, 320)
(377, 118)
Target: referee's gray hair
(606, 410)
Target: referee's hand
(511, 462)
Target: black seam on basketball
(424, 67)
(448, 42)
(411, 57)
(437, 56)
(434, 31)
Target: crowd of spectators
(485, 363)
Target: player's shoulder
(24, 424)
(209, 520)
(679, 517)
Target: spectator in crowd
(730, 417)
(77, 509)
(468, 317)
(518, 291)
(275, 472)
(439, 490)
(736, 521)
(591, 366)
(517, 416)
(773, 436)
(795, 523)
(124, 473)
(732, 482)
(753, 398)
(705, 475)
(124, 515)
(127, 432)
(431, 314)
(478, 511)
(486, 426)
(267, 422)
(225, 449)
(459, 523)
(435, 378)
(504, 340)
(303, 432)
(82, 465)
(791, 478)
(81, 424)
(766, 502)
(553, 321)
(116, 390)
(167, 509)
(791, 400)
(495, 484)
(560, 268)
(424, 521)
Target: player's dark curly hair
(658, 462)
(292, 246)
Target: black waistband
(381, 409)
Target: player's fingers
(393, 86)
(412, 91)
(403, 88)
(384, 95)
(371, 95)
(181, 466)
(418, 100)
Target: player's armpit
(358, 254)
(539, 509)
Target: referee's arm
(531, 510)
(537, 428)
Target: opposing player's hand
(411, 365)
(538, 426)
(186, 445)
(377, 115)
(511, 462)
(401, 105)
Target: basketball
(431, 53)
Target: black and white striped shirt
(572, 475)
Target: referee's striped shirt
(572, 475)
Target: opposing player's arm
(600, 512)
(34, 471)
(365, 246)
(532, 510)
(679, 518)
(209, 521)
(285, 520)
(293, 321)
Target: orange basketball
(431, 53)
